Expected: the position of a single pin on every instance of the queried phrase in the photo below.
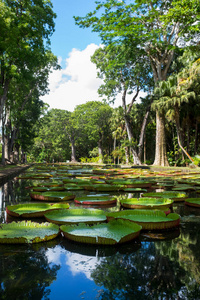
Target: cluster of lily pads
(54, 188)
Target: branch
(133, 100)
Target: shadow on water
(156, 266)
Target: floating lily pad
(134, 190)
(38, 176)
(103, 187)
(114, 232)
(33, 210)
(75, 216)
(148, 219)
(95, 200)
(73, 187)
(176, 196)
(50, 188)
(183, 187)
(52, 196)
(27, 232)
(193, 202)
(147, 203)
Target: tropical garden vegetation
(149, 46)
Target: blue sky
(77, 82)
(68, 35)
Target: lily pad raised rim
(95, 200)
(193, 202)
(54, 196)
(171, 220)
(94, 236)
(38, 209)
(176, 196)
(75, 216)
(21, 232)
(145, 202)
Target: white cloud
(81, 264)
(77, 82)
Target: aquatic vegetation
(152, 203)
(114, 232)
(33, 210)
(75, 216)
(27, 232)
(148, 219)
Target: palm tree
(172, 94)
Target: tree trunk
(136, 159)
(126, 154)
(73, 148)
(196, 138)
(178, 130)
(100, 149)
(142, 133)
(145, 150)
(16, 153)
(161, 152)
(114, 147)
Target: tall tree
(25, 44)
(123, 72)
(154, 28)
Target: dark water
(147, 268)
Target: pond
(157, 265)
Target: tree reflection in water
(145, 274)
(149, 269)
(25, 272)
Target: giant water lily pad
(133, 183)
(37, 176)
(114, 232)
(54, 196)
(27, 232)
(50, 188)
(176, 196)
(103, 187)
(95, 200)
(151, 203)
(193, 202)
(75, 216)
(33, 210)
(148, 219)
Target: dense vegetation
(150, 46)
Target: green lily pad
(133, 183)
(33, 210)
(148, 219)
(27, 232)
(54, 196)
(95, 200)
(75, 216)
(176, 196)
(45, 188)
(38, 176)
(103, 187)
(114, 232)
(134, 190)
(151, 203)
(73, 187)
(193, 202)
